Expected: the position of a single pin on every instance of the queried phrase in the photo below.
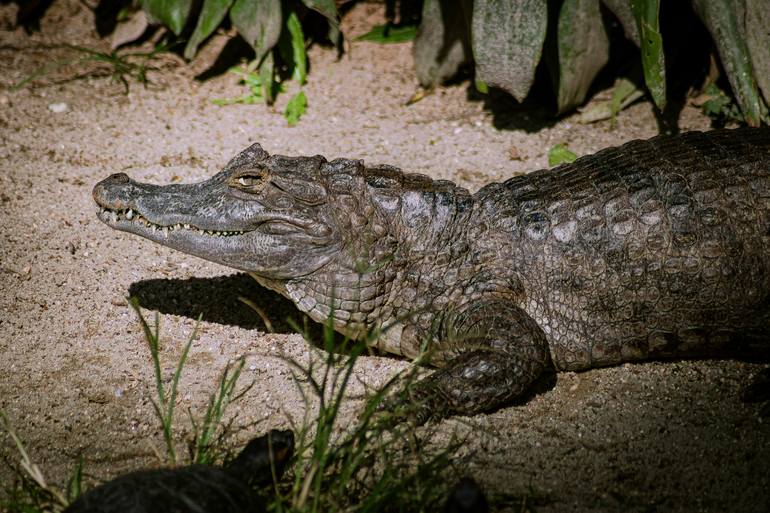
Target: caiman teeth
(114, 216)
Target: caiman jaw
(130, 220)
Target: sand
(75, 373)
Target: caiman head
(334, 237)
(267, 215)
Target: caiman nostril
(118, 178)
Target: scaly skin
(655, 249)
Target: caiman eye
(250, 180)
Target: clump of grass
(164, 405)
(210, 432)
(377, 464)
(31, 492)
(121, 65)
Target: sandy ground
(75, 375)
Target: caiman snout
(104, 193)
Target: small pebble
(58, 107)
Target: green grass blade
(75, 484)
(299, 57)
(295, 108)
(170, 402)
(44, 70)
(267, 79)
(383, 34)
(153, 342)
(218, 403)
(653, 60)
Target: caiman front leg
(489, 353)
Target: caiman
(655, 249)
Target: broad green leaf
(379, 34)
(584, 49)
(211, 16)
(171, 13)
(758, 41)
(560, 154)
(508, 40)
(622, 11)
(724, 20)
(299, 57)
(442, 43)
(651, 45)
(295, 108)
(259, 22)
(326, 7)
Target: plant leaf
(653, 60)
(560, 154)
(758, 40)
(129, 29)
(394, 34)
(267, 78)
(211, 16)
(295, 108)
(622, 11)
(259, 22)
(326, 7)
(721, 18)
(442, 43)
(171, 13)
(299, 57)
(508, 40)
(584, 49)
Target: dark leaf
(258, 22)
(584, 49)
(758, 41)
(508, 40)
(211, 16)
(326, 7)
(442, 42)
(622, 11)
(171, 13)
(721, 18)
(651, 45)
(129, 29)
